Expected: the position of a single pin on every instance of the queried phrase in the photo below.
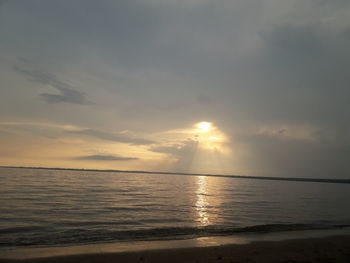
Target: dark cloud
(113, 137)
(315, 43)
(105, 158)
(184, 153)
(305, 73)
(297, 39)
(271, 155)
(178, 149)
(67, 92)
(67, 95)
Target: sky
(258, 87)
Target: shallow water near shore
(53, 207)
(137, 246)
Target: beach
(325, 249)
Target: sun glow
(209, 136)
(204, 126)
(200, 148)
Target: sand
(327, 249)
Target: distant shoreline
(294, 179)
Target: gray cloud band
(67, 92)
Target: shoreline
(326, 249)
(239, 245)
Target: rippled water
(54, 207)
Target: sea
(48, 207)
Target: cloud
(105, 158)
(296, 39)
(44, 129)
(289, 132)
(178, 149)
(113, 137)
(60, 130)
(67, 93)
(265, 154)
(183, 152)
(277, 64)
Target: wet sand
(326, 249)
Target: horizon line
(295, 179)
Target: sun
(204, 126)
(209, 136)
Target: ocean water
(58, 207)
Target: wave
(34, 237)
(21, 229)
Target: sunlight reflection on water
(202, 201)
